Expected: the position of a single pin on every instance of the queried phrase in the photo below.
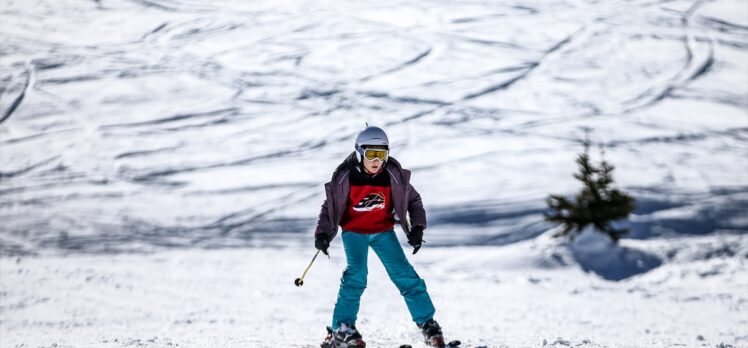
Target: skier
(370, 192)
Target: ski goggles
(376, 154)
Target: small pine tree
(597, 203)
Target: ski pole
(300, 281)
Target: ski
(451, 344)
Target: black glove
(322, 242)
(415, 237)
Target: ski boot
(432, 335)
(346, 336)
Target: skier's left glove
(415, 238)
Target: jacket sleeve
(415, 208)
(323, 220)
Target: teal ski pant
(353, 282)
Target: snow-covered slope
(142, 141)
(183, 123)
(510, 296)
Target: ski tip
(406, 346)
(455, 343)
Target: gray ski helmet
(372, 136)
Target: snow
(162, 162)
(485, 296)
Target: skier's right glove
(321, 242)
(415, 238)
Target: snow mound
(596, 252)
(590, 251)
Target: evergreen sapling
(598, 203)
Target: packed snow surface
(510, 296)
(162, 162)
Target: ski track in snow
(167, 127)
(152, 101)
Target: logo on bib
(370, 202)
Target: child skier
(370, 192)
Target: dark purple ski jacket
(405, 198)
